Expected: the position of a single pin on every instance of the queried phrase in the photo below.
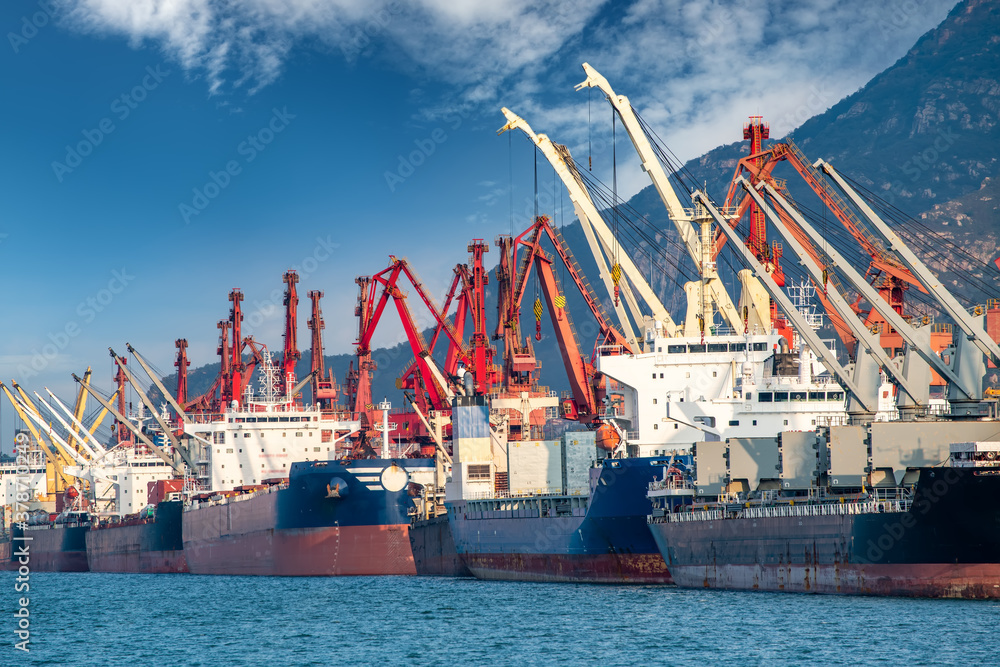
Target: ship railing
(240, 497)
(697, 515)
(777, 511)
(672, 483)
(611, 350)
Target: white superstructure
(261, 438)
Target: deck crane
(55, 460)
(599, 237)
(324, 388)
(469, 284)
(70, 454)
(927, 281)
(64, 459)
(175, 403)
(91, 451)
(164, 426)
(153, 447)
(75, 449)
(885, 272)
(181, 364)
(695, 233)
(918, 340)
(234, 375)
(291, 353)
(209, 401)
(581, 373)
(861, 404)
(463, 308)
(912, 381)
(358, 380)
(370, 310)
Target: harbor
(601, 355)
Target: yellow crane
(56, 458)
(56, 479)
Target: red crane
(887, 274)
(122, 432)
(482, 352)
(519, 360)
(181, 365)
(324, 387)
(370, 312)
(225, 379)
(291, 353)
(236, 365)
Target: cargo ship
(575, 509)
(565, 511)
(930, 535)
(596, 537)
(329, 518)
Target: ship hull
(570, 568)
(605, 541)
(943, 545)
(7, 559)
(57, 548)
(303, 530)
(155, 547)
(434, 552)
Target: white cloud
(694, 70)
(475, 44)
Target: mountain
(923, 132)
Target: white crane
(710, 290)
(599, 236)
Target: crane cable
(510, 179)
(538, 301)
(616, 269)
(590, 131)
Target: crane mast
(597, 231)
(122, 432)
(236, 365)
(710, 289)
(291, 353)
(182, 365)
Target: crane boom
(33, 412)
(34, 415)
(55, 457)
(167, 431)
(158, 384)
(590, 218)
(650, 163)
(96, 447)
(805, 331)
(835, 298)
(927, 279)
(122, 419)
(680, 216)
(868, 292)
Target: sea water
(143, 620)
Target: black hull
(946, 544)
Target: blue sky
(158, 153)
